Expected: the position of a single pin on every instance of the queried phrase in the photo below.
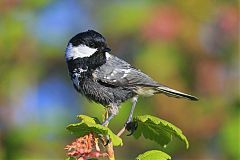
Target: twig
(110, 151)
(109, 147)
(121, 131)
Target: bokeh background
(189, 45)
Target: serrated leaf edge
(172, 128)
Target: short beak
(106, 49)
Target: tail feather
(173, 93)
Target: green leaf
(89, 125)
(153, 154)
(85, 118)
(158, 130)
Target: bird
(106, 79)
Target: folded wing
(117, 72)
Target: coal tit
(107, 79)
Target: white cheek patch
(81, 51)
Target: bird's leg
(108, 120)
(131, 126)
(106, 139)
(134, 100)
(113, 110)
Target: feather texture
(174, 93)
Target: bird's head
(86, 44)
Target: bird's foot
(105, 139)
(131, 127)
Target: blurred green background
(189, 45)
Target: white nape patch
(81, 51)
(108, 55)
